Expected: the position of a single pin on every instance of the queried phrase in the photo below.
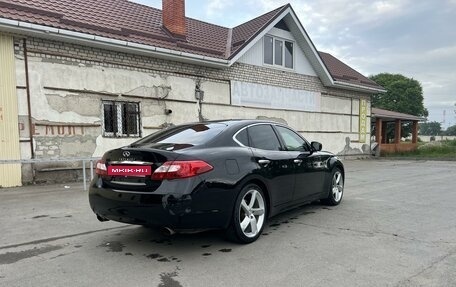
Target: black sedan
(231, 175)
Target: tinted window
(292, 140)
(188, 135)
(263, 137)
(242, 137)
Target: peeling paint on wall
(84, 105)
(144, 91)
(58, 147)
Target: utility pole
(444, 116)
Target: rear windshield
(182, 136)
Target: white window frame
(119, 133)
(274, 38)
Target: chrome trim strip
(131, 162)
(266, 123)
(128, 183)
(251, 125)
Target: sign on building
(264, 96)
(362, 120)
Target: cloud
(152, 3)
(216, 7)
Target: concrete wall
(437, 138)
(68, 83)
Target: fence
(436, 138)
(84, 162)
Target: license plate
(130, 170)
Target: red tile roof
(343, 73)
(117, 19)
(245, 32)
(133, 22)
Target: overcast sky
(414, 38)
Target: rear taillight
(101, 168)
(181, 169)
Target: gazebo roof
(391, 116)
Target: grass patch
(441, 149)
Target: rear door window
(263, 137)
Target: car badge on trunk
(126, 153)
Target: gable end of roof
(245, 33)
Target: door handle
(297, 161)
(264, 162)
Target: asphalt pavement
(396, 226)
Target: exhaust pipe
(101, 219)
(167, 231)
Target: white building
(81, 77)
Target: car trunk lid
(130, 169)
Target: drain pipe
(29, 106)
(199, 96)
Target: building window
(121, 119)
(288, 54)
(268, 50)
(278, 52)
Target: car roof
(234, 122)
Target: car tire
(336, 188)
(249, 215)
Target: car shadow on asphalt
(151, 243)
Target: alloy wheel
(251, 213)
(337, 186)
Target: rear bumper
(200, 208)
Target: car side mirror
(316, 146)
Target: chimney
(174, 17)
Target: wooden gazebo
(381, 118)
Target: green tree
(430, 128)
(451, 131)
(404, 95)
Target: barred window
(121, 119)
